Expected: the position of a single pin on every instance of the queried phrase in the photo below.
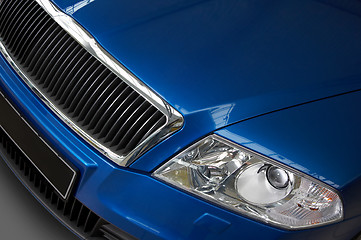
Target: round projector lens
(253, 186)
(277, 177)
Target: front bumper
(134, 201)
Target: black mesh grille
(72, 212)
(79, 85)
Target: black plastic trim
(60, 174)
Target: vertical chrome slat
(45, 50)
(121, 116)
(40, 52)
(18, 22)
(49, 63)
(68, 84)
(2, 6)
(161, 120)
(130, 116)
(89, 88)
(105, 78)
(16, 32)
(115, 111)
(66, 70)
(135, 125)
(74, 96)
(13, 19)
(50, 78)
(35, 44)
(139, 134)
(31, 38)
(52, 53)
(96, 121)
(92, 93)
(89, 85)
(113, 82)
(8, 12)
(28, 29)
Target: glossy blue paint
(221, 62)
(226, 61)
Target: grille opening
(71, 212)
(89, 94)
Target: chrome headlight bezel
(299, 181)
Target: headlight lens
(244, 181)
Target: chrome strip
(174, 118)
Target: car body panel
(274, 73)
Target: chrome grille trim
(174, 120)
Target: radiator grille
(94, 98)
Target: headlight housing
(251, 184)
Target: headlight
(246, 182)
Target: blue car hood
(230, 60)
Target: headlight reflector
(249, 183)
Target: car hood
(321, 139)
(227, 61)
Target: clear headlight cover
(253, 185)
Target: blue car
(186, 119)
